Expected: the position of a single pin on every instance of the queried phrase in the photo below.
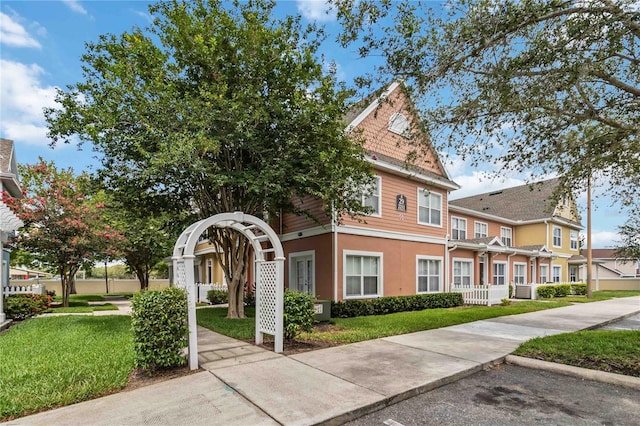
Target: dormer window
(399, 124)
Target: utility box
(322, 309)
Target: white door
(302, 274)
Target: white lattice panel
(268, 281)
(180, 274)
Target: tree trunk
(142, 272)
(234, 248)
(66, 288)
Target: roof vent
(496, 193)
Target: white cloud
(479, 182)
(23, 99)
(75, 6)
(604, 239)
(144, 15)
(316, 10)
(12, 33)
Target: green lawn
(48, 362)
(350, 330)
(78, 307)
(612, 351)
(81, 297)
(597, 296)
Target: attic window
(399, 124)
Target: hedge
(558, 290)
(579, 289)
(298, 314)
(391, 304)
(160, 328)
(22, 306)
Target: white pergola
(269, 274)
(9, 222)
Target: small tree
(61, 228)
(630, 244)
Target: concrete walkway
(248, 385)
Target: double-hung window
(556, 272)
(499, 273)
(458, 228)
(429, 208)
(519, 273)
(372, 195)
(462, 273)
(429, 274)
(363, 274)
(481, 230)
(544, 274)
(557, 236)
(573, 236)
(506, 236)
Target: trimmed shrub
(298, 314)
(545, 292)
(510, 291)
(250, 299)
(217, 297)
(562, 290)
(391, 304)
(579, 289)
(22, 306)
(160, 329)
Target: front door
(302, 278)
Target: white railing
(24, 289)
(483, 294)
(204, 288)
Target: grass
(79, 307)
(613, 351)
(49, 362)
(82, 298)
(351, 330)
(598, 296)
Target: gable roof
(395, 154)
(9, 168)
(603, 253)
(527, 202)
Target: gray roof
(9, 168)
(524, 202)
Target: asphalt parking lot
(511, 395)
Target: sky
(41, 43)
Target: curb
(579, 372)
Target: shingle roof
(525, 202)
(602, 253)
(6, 153)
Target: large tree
(538, 85)
(217, 107)
(62, 227)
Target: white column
(190, 286)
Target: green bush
(250, 299)
(510, 291)
(579, 289)
(298, 314)
(217, 297)
(562, 290)
(391, 304)
(546, 291)
(22, 306)
(160, 329)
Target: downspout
(334, 248)
(447, 269)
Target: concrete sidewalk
(331, 386)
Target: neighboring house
(610, 271)
(9, 222)
(514, 235)
(416, 240)
(22, 273)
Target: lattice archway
(269, 274)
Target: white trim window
(428, 274)
(429, 208)
(362, 274)
(557, 236)
(573, 237)
(556, 273)
(506, 236)
(458, 228)
(519, 273)
(499, 273)
(544, 274)
(481, 230)
(462, 273)
(573, 273)
(372, 196)
(302, 271)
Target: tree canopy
(216, 107)
(62, 227)
(541, 86)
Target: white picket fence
(204, 288)
(483, 294)
(24, 289)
